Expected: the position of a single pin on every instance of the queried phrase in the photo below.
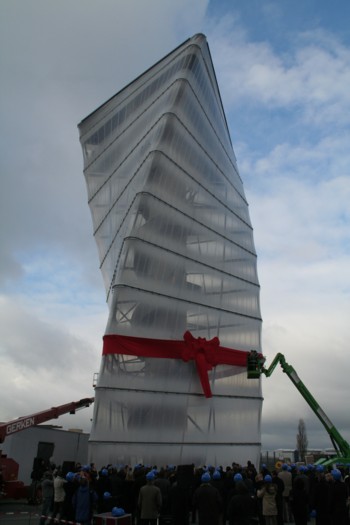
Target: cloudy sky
(284, 73)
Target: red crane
(17, 425)
(11, 486)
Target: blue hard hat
(104, 472)
(268, 478)
(117, 511)
(319, 468)
(284, 466)
(205, 477)
(70, 476)
(238, 477)
(150, 476)
(107, 495)
(216, 475)
(336, 474)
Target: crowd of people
(237, 495)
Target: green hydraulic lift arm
(255, 367)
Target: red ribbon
(206, 354)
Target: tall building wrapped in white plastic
(176, 248)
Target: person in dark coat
(103, 484)
(320, 497)
(279, 496)
(207, 502)
(337, 500)
(300, 502)
(149, 501)
(163, 483)
(241, 508)
(71, 485)
(219, 483)
(180, 503)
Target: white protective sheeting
(176, 249)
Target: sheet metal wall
(175, 241)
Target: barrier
(58, 520)
(106, 518)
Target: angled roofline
(141, 75)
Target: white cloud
(311, 77)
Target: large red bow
(206, 354)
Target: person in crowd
(149, 501)
(47, 495)
(219, 484)
(128, 500)
(2, 482)
(347, 484)
(286, 476)
(279, 496)
(207, 502)
(300, 502)
(338, 499)
(241, 508)
(258, 484)
(180, 501)
(37, 474)
(68, 512)
(268, 494)
(163, 483)
(84, 500)
(319, 497)
(102, 485)
(302, 473)
(59, 494)
(232, 488)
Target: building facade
(177, 256)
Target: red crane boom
(17, 425)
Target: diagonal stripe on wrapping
(206, 354)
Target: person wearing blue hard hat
(237, 477)
(241, 507)
(103, 484)
(205, 477)
(149, 501)
(207, 502)
(300, 502)
(83, 502)
(164, 485)
(285, 475)
(267, 493)
(338, 499)
(70, 476)
(319, 497)
(303, 473)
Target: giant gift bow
(206, 354)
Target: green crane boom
(255, 367)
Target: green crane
(255, 367)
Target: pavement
(18, 512)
